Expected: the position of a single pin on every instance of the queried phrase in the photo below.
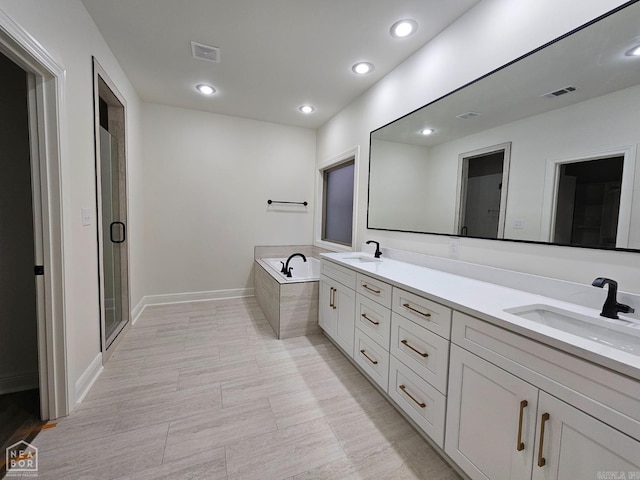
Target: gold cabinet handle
(364, 315)
(377, 292)
(409, 307)
(541, 461)
(331, 297)
(420, 404)
(375, 362)
(406, 344)
(520, 443)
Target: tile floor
(205, 391)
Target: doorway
(20, 412)
(483, 192)
(111, 191)
(588, 202)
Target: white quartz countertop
(488, 301)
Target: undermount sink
(361, 258)
(619, 334)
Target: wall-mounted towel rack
(291, 203)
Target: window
(337, 203)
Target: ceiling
(275, 54)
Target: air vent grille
(560, 91)
(205, 52)
(467, 115)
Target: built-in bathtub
(290, 304)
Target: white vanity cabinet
(337, 304)
(502, 426)
(373, 323)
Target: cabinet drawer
(426, 313)
(374, 320)
(372, 358)
(423, 351)
(376, 290)
(337, 272)
(423, 403)
(602, 393)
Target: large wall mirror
(541, 150)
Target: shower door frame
(104, 88)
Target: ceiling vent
(560, 92)
(205, 52)
(465, 116)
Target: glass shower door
(113, 238)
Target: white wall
(208, 179)
(65, 30)
(491, 34)
(18, 322)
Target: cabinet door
(345, 302)
(574, 445)
(327, 316)
(491, 414)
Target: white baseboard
(27, 381)
(149, 300)
(88, 378)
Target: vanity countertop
(488, 301)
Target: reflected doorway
(483, 191)
(588, 202)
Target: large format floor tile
(204, 390)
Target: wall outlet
(454, 247)
(87, 217)
(518, 224)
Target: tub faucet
(286, 268)
(611, 306)
(378, 252)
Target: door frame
(110, 93)
(552, 178)
(461, 195)
(46, 102)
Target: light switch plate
(454, 247)
(87, 217)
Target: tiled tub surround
(291, 307)
(498, 364)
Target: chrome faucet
(378, 252)
(286, 269)
(611, 306)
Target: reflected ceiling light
(427, 131)
(403, 28)
(306, 109)
(205, 89)
(634, 52)
(362, 68)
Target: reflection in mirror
(483, 184)
(561, 109)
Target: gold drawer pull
(364, 285)
(541, 460)
(364, 315)
(406, 344)
(331, 297)
(420, 404)
(409, 307)
(375, 362)
(520, 443)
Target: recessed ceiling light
(634, 52)
(427, 131)
(306, 109)
(362, 68)
(403, 28)
(205, 89)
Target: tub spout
(286, 269)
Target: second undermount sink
(361, 258)
(619, 334)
